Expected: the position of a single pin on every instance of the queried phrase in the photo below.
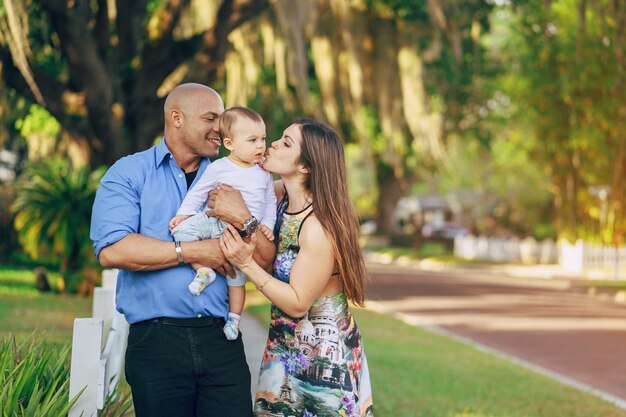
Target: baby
(243, 133)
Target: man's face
(201, 123)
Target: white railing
(527, 251)
(603, 260)
(595, 261)
(98, 348)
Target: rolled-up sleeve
(116, 209)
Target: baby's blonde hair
(229, 119)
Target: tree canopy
(518, 102)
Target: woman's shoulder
(312, 233)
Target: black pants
(177, 371)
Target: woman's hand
(236, 250)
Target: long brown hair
(322, 153)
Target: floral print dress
(313, 366)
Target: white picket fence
(527, 251)
(604, 261)
(98, 349)
(582, 257)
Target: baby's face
(248, 141)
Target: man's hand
(210, 254)
(228, 205)
(177, 219)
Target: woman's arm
(310, 273)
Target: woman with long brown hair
(314, 363)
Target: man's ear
(228, 143)
(177, 118)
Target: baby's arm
(266, 232)
(177, 219)
(199, 193)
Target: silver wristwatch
(249, 227)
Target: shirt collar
(161, 152)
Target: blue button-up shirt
(140, 193)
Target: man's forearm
(265, 252)
(137, 252)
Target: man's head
(243, 133)
(192, 113)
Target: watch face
(252, 227)
(249, 227)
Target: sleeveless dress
(313, 366)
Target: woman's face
(283, 156)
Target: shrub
(34, 380)
(52, 209)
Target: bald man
(178, 360)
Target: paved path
(254, 338)
(542, 322)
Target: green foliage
(400, 9)
(35, 382)
(360, 181)
(34, 379)
(568, 87)
(118, 403)
(53, 210)
(510, 186)
(38, 122)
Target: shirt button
(199, 315)
(180, 175)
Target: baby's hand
(177, 219)
(266, 232)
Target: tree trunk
(390, 191)
(108, 97)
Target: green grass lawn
(24, 310)
(416, 373)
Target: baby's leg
(236, 300)
(197, 227)
(204, 276)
